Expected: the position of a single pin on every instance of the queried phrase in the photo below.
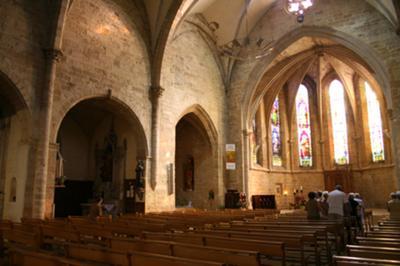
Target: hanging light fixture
(298, 7)
(246, 48)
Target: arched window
(276, 134)
(339, 125)
(303, 127)
(375, 125)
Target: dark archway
(14, 149)
(195, 163)
(100, 142)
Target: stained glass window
(375, 125)
(276, 134)
(303, 127)
(339, 125)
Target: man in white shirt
(336, 201)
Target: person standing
(323, 205)
(336, 201)
(312, 207)
(394, 207)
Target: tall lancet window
(303, 127)
(276, 134)
(375, 125)
(339, 125)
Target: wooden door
(338, 177)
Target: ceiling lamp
(246, 48)
(298, 7)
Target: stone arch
(206, 121)
(196, 159)
(122, 105)
(100, 140)
(367, 57)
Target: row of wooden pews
(134, 240)
(379, 246)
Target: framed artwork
(278, 188)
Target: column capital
(156, 92)
(53, 54)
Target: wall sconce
(285, 193)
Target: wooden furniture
(263, 202)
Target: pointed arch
(205, 120)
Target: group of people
(335, 205)
(394, 205)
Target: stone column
(395, 141)
(43, 133)
(246, 161)
(155, 94)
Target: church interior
(140, 131)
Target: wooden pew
(104, 255)
(378, 242)
(373, 252)
(19, 238)
(293, 242)
(22, 257)
(353, 261)
(230, 256)
(57, 236)
(312, 237)
(270, 249)
(148, 259)
(96, 254)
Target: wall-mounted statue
(139, 181)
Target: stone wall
(22, 40)
(103, 54)
(192, 81)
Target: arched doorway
(196, 173)
(100, 144)
(14, 149)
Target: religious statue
(139, 181)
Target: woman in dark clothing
(312, 207)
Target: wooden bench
(230, 256)
(22, 257)
(378, 241)
(270, 249)
(15, 237)
(353, 261)
(373, 252)
(104, 255)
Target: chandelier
(246, 48)
(298, 7)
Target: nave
(194, 237)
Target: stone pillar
(43, 133)
(155, 94)
(50, 184)
(395, 125)
(246, 161)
